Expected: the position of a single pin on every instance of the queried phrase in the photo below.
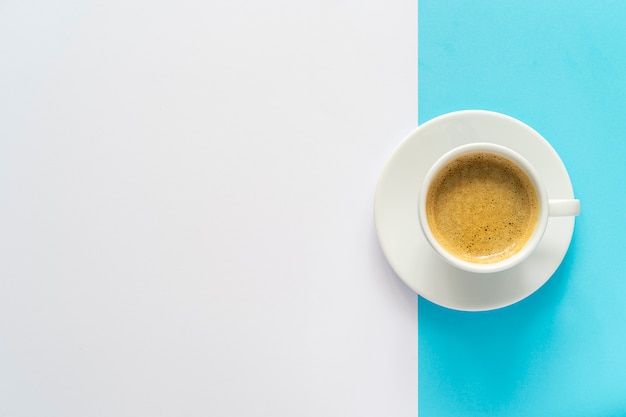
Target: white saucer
(397, 224)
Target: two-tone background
(186, 208)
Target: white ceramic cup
(547, 208)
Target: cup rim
(523, 164)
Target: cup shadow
(485, 356)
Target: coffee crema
(482, 208)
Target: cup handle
(563, 208)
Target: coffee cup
(483, 207)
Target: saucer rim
(565, 225)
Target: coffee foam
(482, 208)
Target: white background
(186, 194)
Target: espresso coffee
(482, 208)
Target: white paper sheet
(186, 208)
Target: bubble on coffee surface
(482, 208)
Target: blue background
(561, 68)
